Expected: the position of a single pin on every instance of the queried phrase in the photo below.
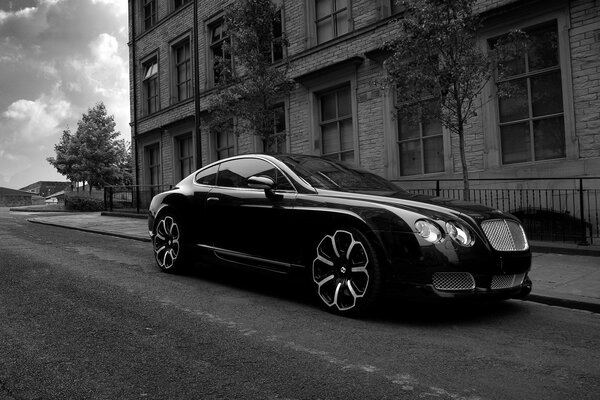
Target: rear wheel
(169, 251)
(346, 273)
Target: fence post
(137, 199)
(437, 188)
(110, 198)
(584, 241)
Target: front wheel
(346, 273)
(168, 238)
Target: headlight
(459, 234)
(428, 231)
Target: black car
(355, 235)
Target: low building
(46, 188)
(15, 198)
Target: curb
(123, 215)
(565, 303)
(99, 232)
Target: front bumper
(478, 291)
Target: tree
(436, 61)
(252, 85)
(93, 154)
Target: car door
(250, 226)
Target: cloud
(28, 121)
(57, 59)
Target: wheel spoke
(337, 293)
(324, 261)
(351, 289)
(324, 281)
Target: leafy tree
(438, 69)
(251, 87)
(93, 154)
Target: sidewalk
(566, 280)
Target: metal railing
(131, 198)
(553, 209)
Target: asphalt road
(84, 316)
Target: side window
(207, 176)
(235, 173)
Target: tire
(346, 273)
(168, 243)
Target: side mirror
(261, 182)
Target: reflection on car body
(354, 234)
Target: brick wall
(585, 60)
(374, 126)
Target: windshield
(332, 175)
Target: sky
(58, 58)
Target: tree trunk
(463, 161)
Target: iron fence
(553, 209)
(131, 198)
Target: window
(421, 145)
(220, 59)
(183, 71)
(150, 86)
(236, 173)
(149, 10)
(331, 19)
(180, 3)
(153, 167)
(277, 44)
(337, 133)
(224, 141)
(207, 176)
(185, 155)
(531, 120)
(277, 141)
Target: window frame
(492, 158)
(421, 139)
(278, 40)
(177, 4)
(175, 64)
(281, 145)
(231, 148)
(149, 166)
(338, 120)
(312, 21)
(150, 82)
(211, 46)
(181, 159)
(152, 17)
(528, 75)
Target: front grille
(453, 281)
(506, 281)
(505, 235)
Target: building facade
(336, 109)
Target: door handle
(212, 199)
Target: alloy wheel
(340, 270)
(167, 242)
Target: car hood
(431, 206)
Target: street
(90, 316)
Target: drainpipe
(197, 88)
(135, 105)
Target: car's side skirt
(248, 260)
